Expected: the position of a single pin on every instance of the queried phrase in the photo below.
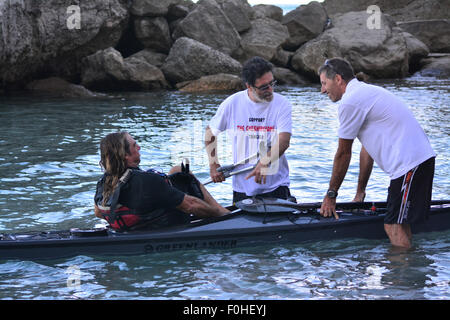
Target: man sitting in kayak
(129, 198)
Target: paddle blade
(266, 205)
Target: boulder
(179, 9)
(310, 56)
(381, 53)
(151, 57)
(208, 24)
(216, 82)
(107, 70)
(434, 33)
(436, 66)
(151, 8)
(58, 87)
(286, 76)
(189, 60)
(50, 37)
(261, 11)
(400, 10)
(282, 58)
(418, 9)
(417, 50)
(264, 39)
(304, 23)
(238, 13)
(153, 33)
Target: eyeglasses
(266, 86)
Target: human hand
(328, 207)
(216, 176)
(258, 173)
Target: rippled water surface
(49, 168)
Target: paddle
(279, 205)
(229, 170)
(228, 174)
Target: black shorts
(282, 192)
(186, 183)
(409, 196)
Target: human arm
(198, 207)
(98, 198)
(340, 166)
(276, 151)
(97, 212)
(365, 169)
(211, 150)
(166, 193)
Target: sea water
(49, 169)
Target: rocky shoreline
(77, 48)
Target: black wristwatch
(332, 194)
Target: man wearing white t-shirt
(250, 117)
(391, 136)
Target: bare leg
(211, 201)
(206, 195)
(174, 170)
(399, 234)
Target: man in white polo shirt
(250, 117)
(391, 136)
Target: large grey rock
(238, 13)
(151, 8)
(434, 33)
(282, 58)
(379, 52)
(436, 66)
(286, 76)
(58, 87)
(189, 60)
(208, 24)
(261, 11)
(400, 10)
(417, 50)
(107, 70)
(151, 57)
(304, 23)
(419, 10)
(215, 82)
(153, 33)
(46, 36)
(309, 57)
(180, 9)
(264, 39)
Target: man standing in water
(252, 116)
(391, 136)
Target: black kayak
(253, 222)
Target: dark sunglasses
(266, 86)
